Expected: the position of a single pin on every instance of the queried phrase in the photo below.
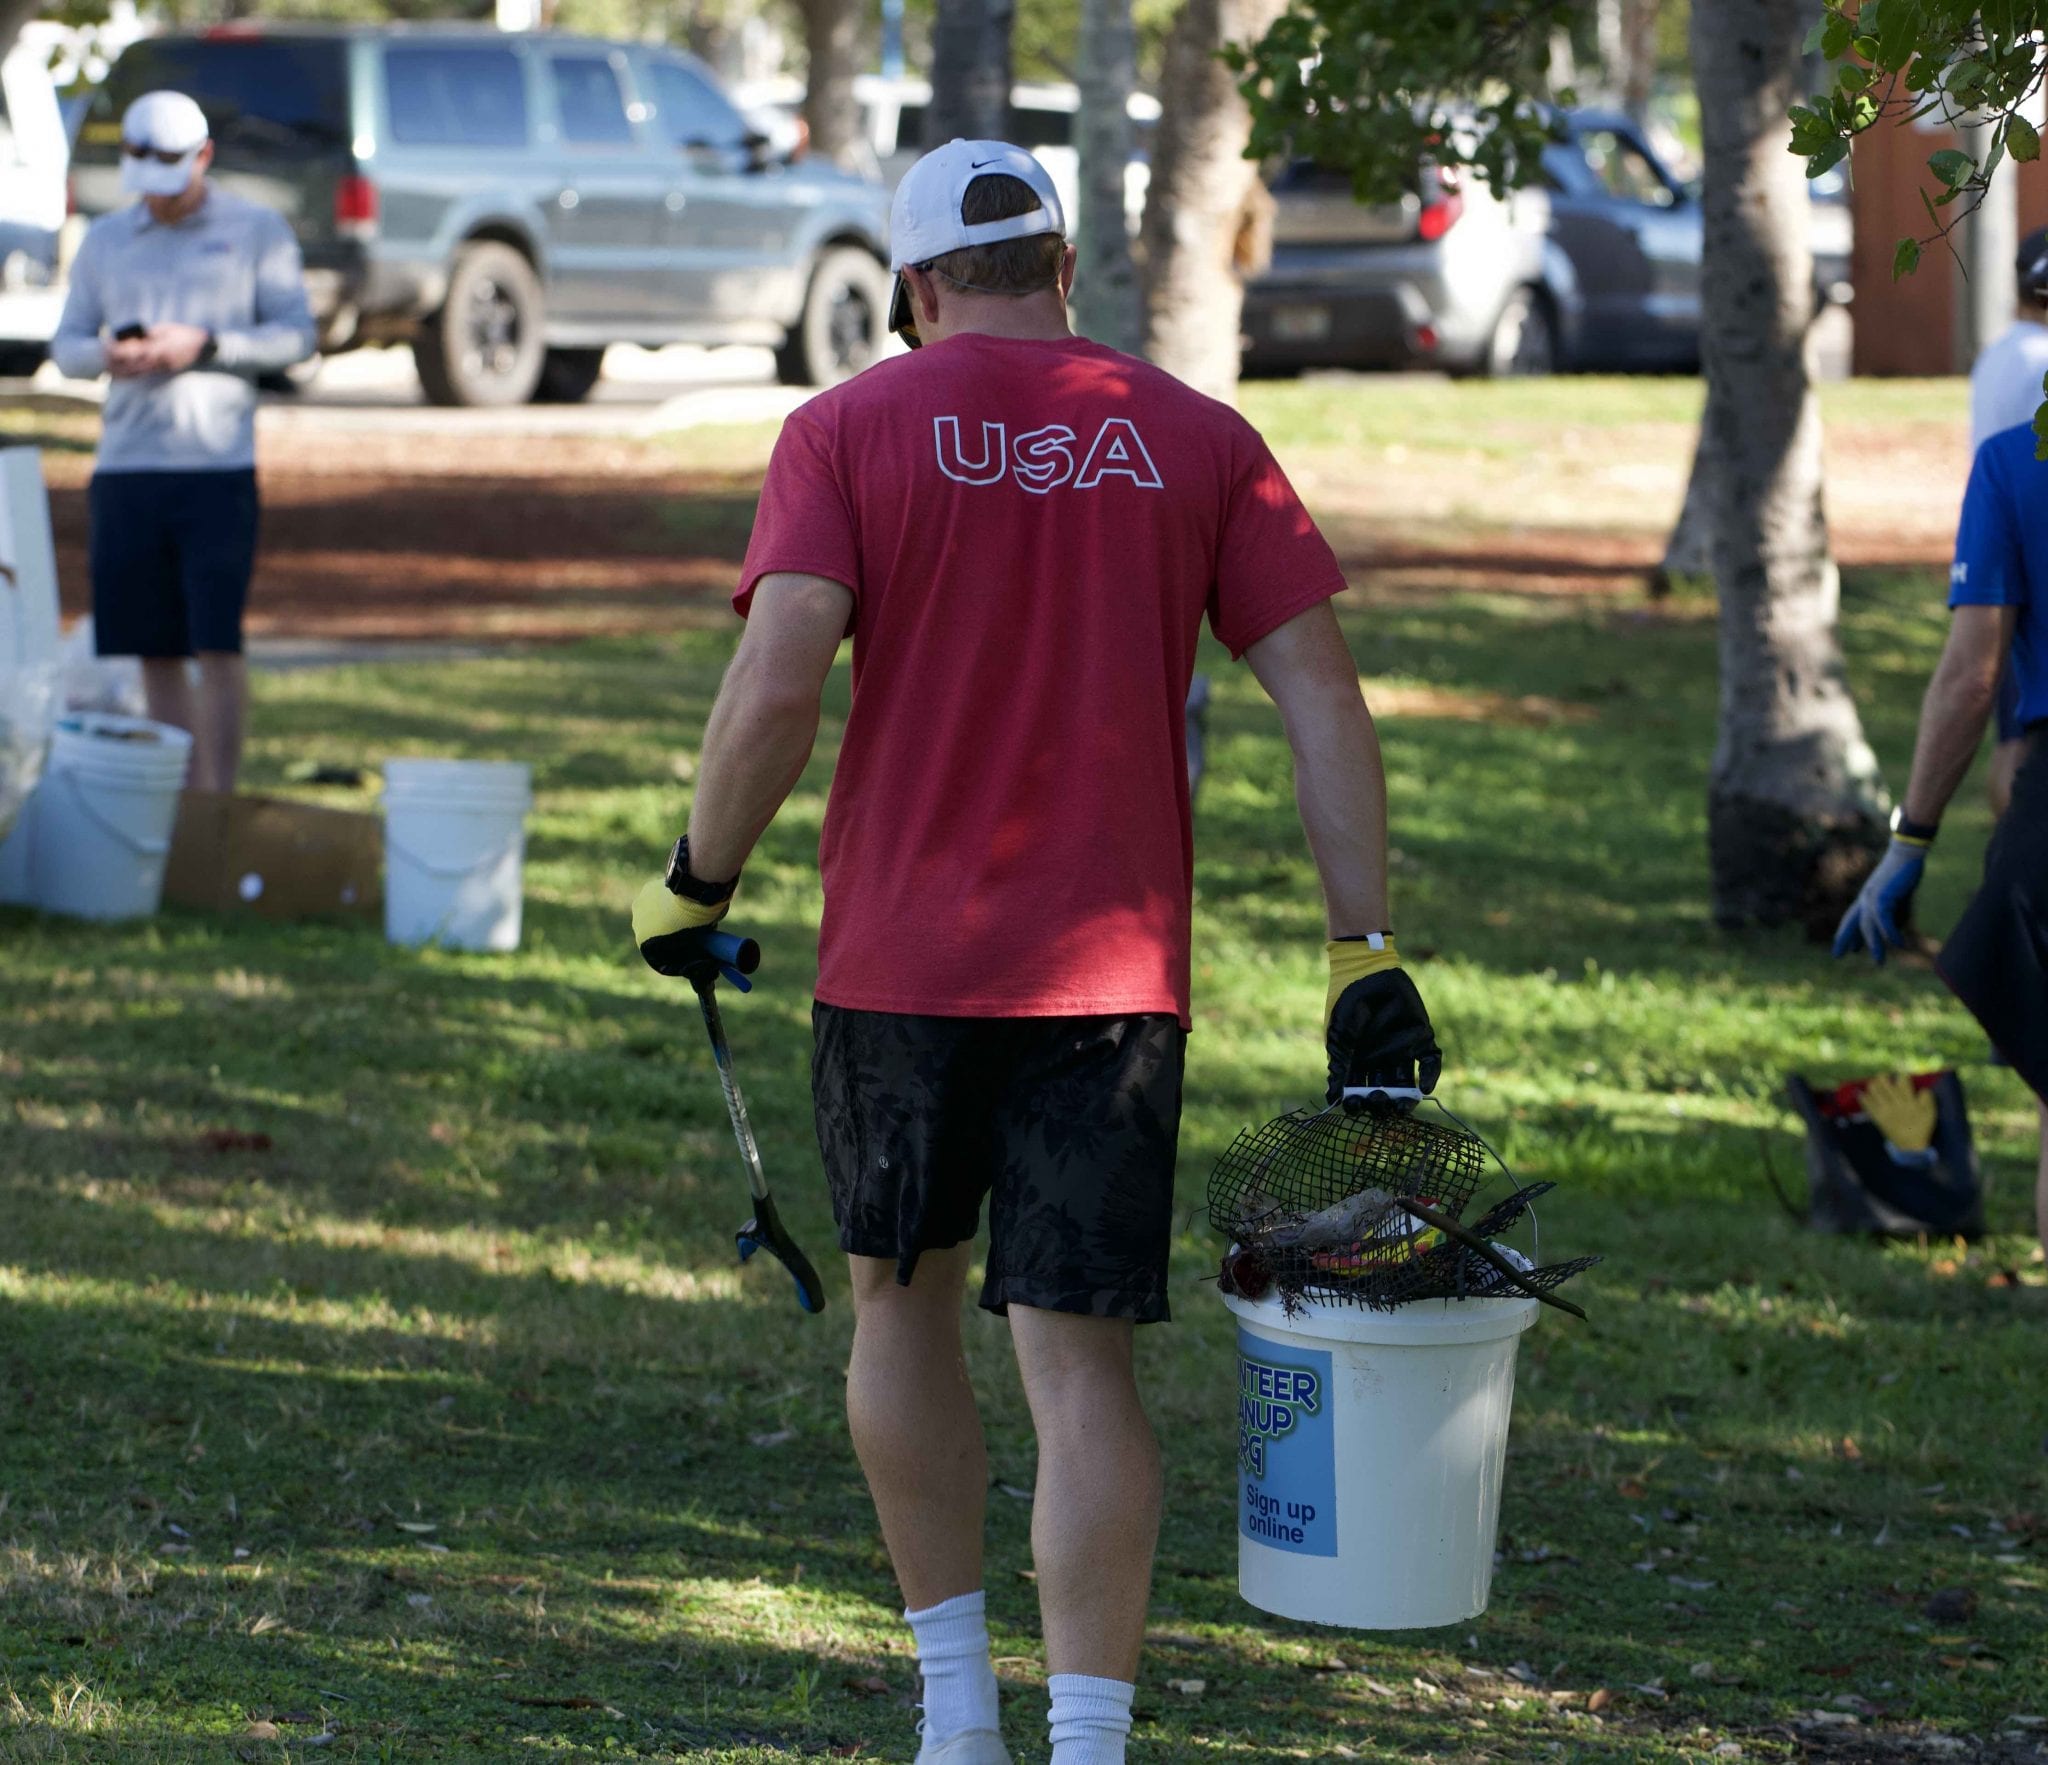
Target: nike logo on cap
(975, 165)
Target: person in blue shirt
(1996, 960)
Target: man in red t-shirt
(1022, 532)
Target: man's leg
(915, 1429)
(1095, 1519)
(221, 711)
(1094, 1523)
(917, 1433)
(167, 697)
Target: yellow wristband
(1352, 959)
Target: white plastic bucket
(454, 851)
(1370, 1451)
(14, 849)
(98, 828)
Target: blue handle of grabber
(742, 954)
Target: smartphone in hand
(129, 333)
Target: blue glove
(1872, 922)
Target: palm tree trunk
(1208, 217)
(1793, 798)
(1106, 287)
(970, 71)
(832, 43)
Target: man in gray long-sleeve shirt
(182, 299)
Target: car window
(1623, 170)
(277, 96)
(692, 111)
(910, 128)
(447, 97)
(1031, 127)
(587, 96)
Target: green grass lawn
(445, 1428)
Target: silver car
(510, 205)
(1451, 277)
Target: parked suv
(1451, 276)
(510, 205)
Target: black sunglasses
(162, 156)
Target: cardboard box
(274, 857)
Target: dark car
(510, 205)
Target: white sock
(1091, 1719)
(952, 1651)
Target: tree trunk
(13, 15)
(1208, 217)
(970, 72)
(832, 45)
(1638, 56)
(1686, 552)
(1793, 800)
(1106, 288)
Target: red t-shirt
(1032, 532)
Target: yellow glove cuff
(659, 911)
(1352, 959)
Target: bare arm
(1957, 706)
(765, 721)
(1307, 671)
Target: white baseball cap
(924, 218)
(161, 135)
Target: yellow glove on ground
(1903, 1115)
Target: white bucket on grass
(454, 851)
(93, 839)
(14, 889)
(1370, 1451)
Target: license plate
(1301, 324)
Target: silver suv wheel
(484, 346)
(844, 324)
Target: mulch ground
(397, 535)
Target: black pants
(1996, 960)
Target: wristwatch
(207, 351)
(679, 881)
(1918, 833)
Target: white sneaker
(974, 1746)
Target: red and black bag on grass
(1860, 1181)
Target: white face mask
(151, 177)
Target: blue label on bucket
(1286, 1447)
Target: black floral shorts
(1067, 1125)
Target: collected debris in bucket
(1363, 1207)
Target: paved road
(643, 392)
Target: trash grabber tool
(764, 1231)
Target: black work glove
(1378, 1035)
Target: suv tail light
(1440, 211)
(355, 206)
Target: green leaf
(1906, 259)
(2022, 139)
(1953, 168)
(1837, 35)
(1897, 41)
(1827, 158)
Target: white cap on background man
(160, 139)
